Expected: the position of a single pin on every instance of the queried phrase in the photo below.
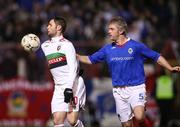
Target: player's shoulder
(108, 45)
(66, 42)
(45, 43)
(136, 43)
(133, 41)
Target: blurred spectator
(35, 68)
(87, 18)
(8, 65)
(165, 95)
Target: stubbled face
(52, 28)
(113, 32)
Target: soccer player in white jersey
(69, 92)
(125, 58)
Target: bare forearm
(83, 59)
(163, 62)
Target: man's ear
(121, 32)
(59, 28)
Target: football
(30, 42)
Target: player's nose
(47, 27)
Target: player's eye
(48, 25)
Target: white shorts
(79, 92)
(128, 97)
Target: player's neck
(122, 40)
(57, 37)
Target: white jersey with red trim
(61, 56)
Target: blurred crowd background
(153, 22)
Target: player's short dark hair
(120, 21)
(60, 21)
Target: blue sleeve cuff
(90, 58)
(157, 57)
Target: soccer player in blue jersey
(125, 58)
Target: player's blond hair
(120, 22)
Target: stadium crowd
(88, 18)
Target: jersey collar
(114, 43)
(57, 38)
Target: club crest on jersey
(130, 50)
(58, 48)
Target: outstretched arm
(163, 62)
(83, 59)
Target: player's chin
(49, 34)
(111, 38)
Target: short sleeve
(149, 53)
(98, 56)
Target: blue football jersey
(126, 62)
